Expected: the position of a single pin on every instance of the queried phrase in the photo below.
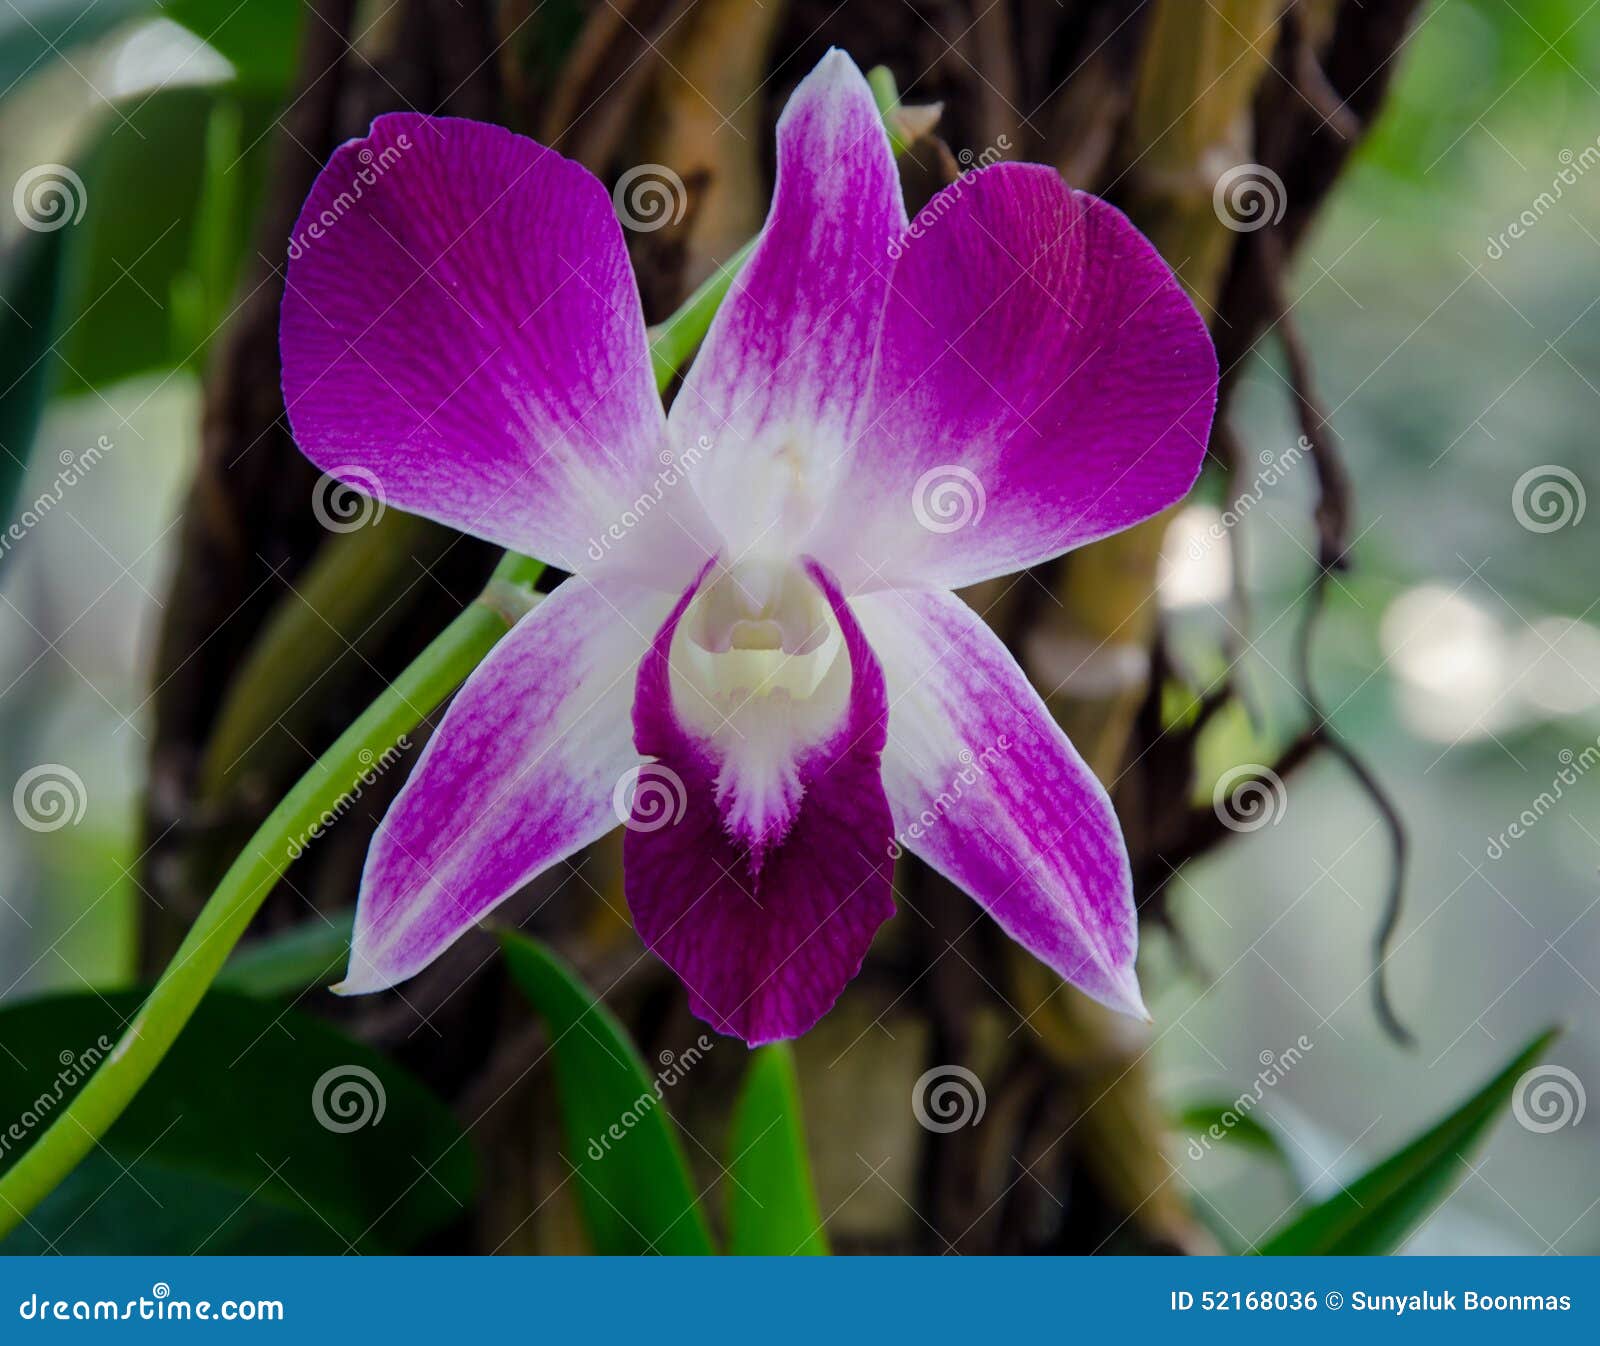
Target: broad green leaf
(1377, 1212)
(300, 1124)
(772, 1209)
(290, 961)
(29, 314)
(33, 33)
(259, 37)
(633, 1183)
(136, 249)
(1232, 1126)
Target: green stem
(435, 673)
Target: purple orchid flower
(759, 639)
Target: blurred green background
(1462, 653)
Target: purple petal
(1043, 381)
(779, 386)
(986, 788)
(461, 334)
(521, 773)
(764, 935)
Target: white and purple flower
(775, 637)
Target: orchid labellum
(757, 665)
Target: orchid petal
(462, 336)
(765, 933)
(779, 387)
(1042, 381)
(986, 788)
(521, 773)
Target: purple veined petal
(1043, 381)
(524, 770)
(779, 386)
(461, 335)
(986, 788)
(764, 932)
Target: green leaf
(137, 250)
(244, 1113)
(260, 38)
(1377, 1212)
(290, 961)
(633, 1183)
(33, 32)
(29, 311)
(772, 1209)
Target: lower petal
(764, 931)
(520, 774)
(987, 789)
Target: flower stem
(435, 673)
